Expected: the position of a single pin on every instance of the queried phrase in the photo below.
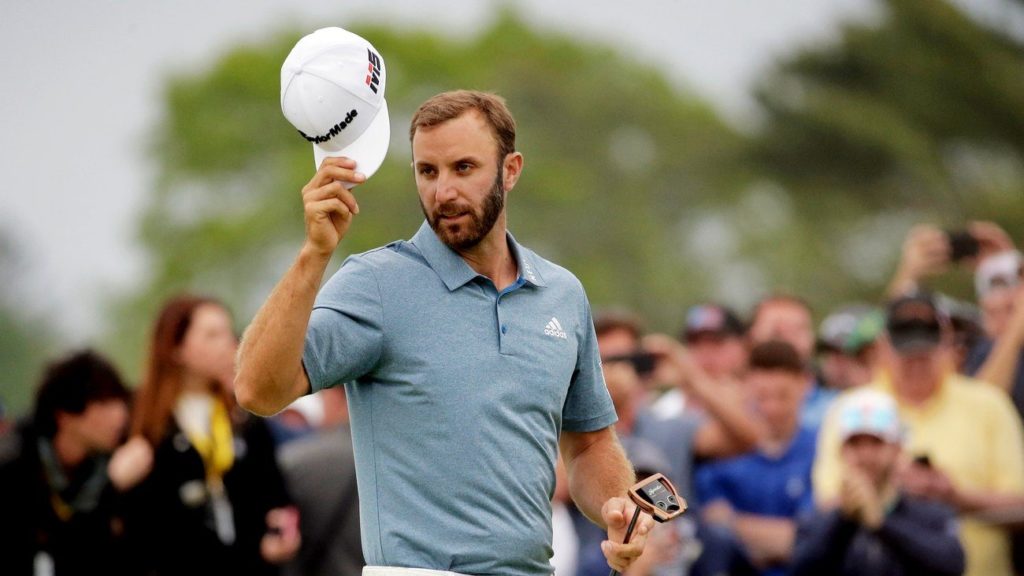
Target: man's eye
(426, 171)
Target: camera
(962, 245)
(643, 362)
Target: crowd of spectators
(884, 439)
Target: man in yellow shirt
(965, 438)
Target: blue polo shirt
(458, 394)
(762, 484)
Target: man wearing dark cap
(714, 336)
(964, 437)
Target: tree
(915, 116)
(26, 338)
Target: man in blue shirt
(758, 496)
(468, 361)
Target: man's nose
(446, 187)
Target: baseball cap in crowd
(332, 91)
(868, 411)
(1002, 270)
(713, 320)
(838, 327)
(914, 322)
(866, 332)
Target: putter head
(657, 496)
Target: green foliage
(636, 186)
(26, 339)
(916, 117)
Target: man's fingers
(626, 553)
(645, 525)
(327, 208)
(331, 172)
(333, 189)
(614, 512)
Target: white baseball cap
(1002, 270)
(332, 91)
(868, 411)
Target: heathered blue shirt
(458, 394)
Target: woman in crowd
(202, 490)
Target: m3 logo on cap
(373, 71)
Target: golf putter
(656, 496)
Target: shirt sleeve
(1007, 443)
(588, 406)
(345, 336)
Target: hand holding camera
(929, 251)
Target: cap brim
(883, 436)
(913, 343)
(368, 150)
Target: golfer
(469, 361)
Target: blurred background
(675, 151)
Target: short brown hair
(618, 319)
(776, 355)
(450, 105)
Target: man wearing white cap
(876, 529)
(468, 359)
(965, 437)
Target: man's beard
(461, 237)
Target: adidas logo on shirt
(554, 328)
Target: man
(789, 319)
(677, 441)
(876, 528)
(58, 506)
(842, 365)
(999, 357)
(721, 428)
(757, 496)
(715, 337)
(965, 438)
(468, 361)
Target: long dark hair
(163, 381)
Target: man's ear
(512, 168)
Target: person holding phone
(930, 251)
(969, 432)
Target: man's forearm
(740, 432)
(1001, 365)
(270, 355)
(597, 471)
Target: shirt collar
(454, 271)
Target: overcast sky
(81, 81)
